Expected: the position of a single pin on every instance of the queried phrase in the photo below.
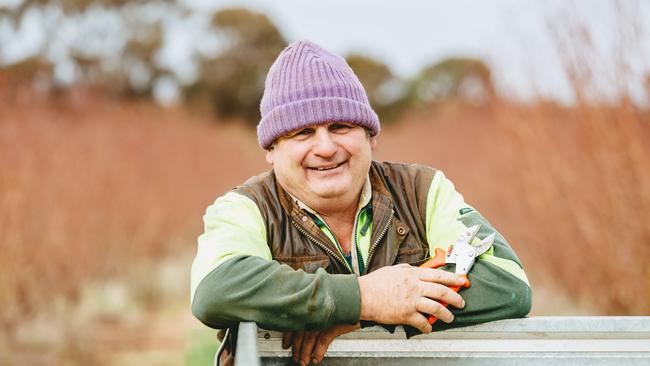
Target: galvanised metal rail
(592, 341)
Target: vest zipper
(323, 246)
(355, 246)
(381, 236)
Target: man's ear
(269, 156)
(373, 142)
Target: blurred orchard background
(121, 121)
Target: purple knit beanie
(309, 85)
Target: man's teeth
(328, 167)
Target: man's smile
(326, 167)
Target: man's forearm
(248, 288)
(499, 287)
(494, 294)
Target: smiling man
(330, 239)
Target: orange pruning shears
(463, 254)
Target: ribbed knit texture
(309, 85)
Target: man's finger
(286, 339)
(432, 307)
(420, 322)
(322, 344)
(440, 276)
(296, 344)
(327, 337)
(442, 293)
(308, 343)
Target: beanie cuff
(292, 116)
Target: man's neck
(337, 210)
(340, 214)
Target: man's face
(323, 165)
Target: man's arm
(234, 279)
(499, 287)
(275, 296)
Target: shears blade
(485, 244)
(468, 235)
(463, 245)
(463, 240)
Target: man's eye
(304, 132)
(339, 126)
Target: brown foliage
(89, 186)
(569, 187)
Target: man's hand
(401, 294)
(311, 346)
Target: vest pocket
(309, 264)
(413, 256)
(410, 249)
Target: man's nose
(324, 144)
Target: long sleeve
(248, 288)
(234, 278)
(499, 286)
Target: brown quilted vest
(399, 194)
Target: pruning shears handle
(432, 319)
(438, 260)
